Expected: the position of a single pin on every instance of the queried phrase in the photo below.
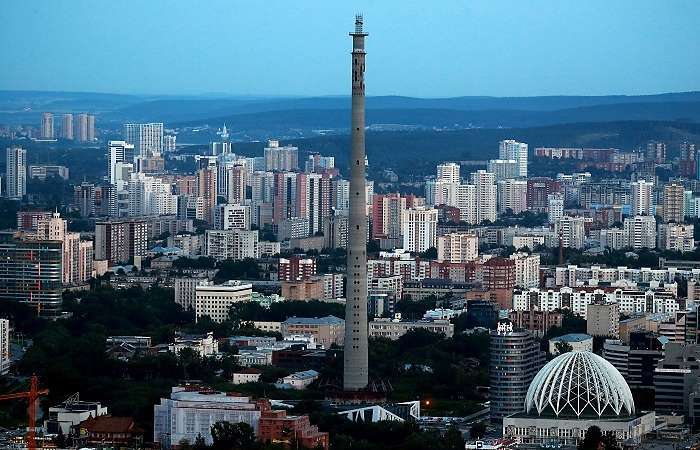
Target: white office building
(216, 300)
(190, 413)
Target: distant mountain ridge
(332, 112)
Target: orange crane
(32, 395)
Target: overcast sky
(434, 48)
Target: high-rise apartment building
(387, 216)
(67, 127)
(503, 169)
(150, 196)
(119, 152)
(419, 229)
(119, 240)
(515, 360)
(206, 190)
(457, 247)
(642, 198)
(84, 198)
(538, 190)
(555, 207)
(673, 203)
(296, 268)
(310, 200)
(527, 269)
(571, 231)
(285, 194)
(82, 132)
(281, 158)
(31, 272)
(486, 195)
(640, 231)
(232, 244)
(90, 127)
(448, 173)
(513, 150)
(512, 195)
(236, 180)
(47, 129)
(678, 237)
(656, 152)
(466, 203)
(147, 139)
(75, 270)
(232, 217)
(5, 359)
(16, 175)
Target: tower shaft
(355, 369)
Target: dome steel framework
(579, 383)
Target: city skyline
(454, 49)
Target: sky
(431, 48)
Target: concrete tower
(355, 356)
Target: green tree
(592, 440)
(477, 430)
(563, 347)
(232, 436)
(453, 438)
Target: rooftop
(573, 337)
(328, 320)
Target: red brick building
(499, 273)
(536, 321)
(110, 431)
(296, 268)
(537, 191)
(278, 427)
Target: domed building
(571, 393)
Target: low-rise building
(327, 330)
(393, 329)
(215, 301)
(578, 342)
(110, 431)
(65, 416)
(191, 411)
(536, 321)
(299, 380)
(203, 345)
(246, 375)
(277, 426)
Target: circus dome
(579, 384)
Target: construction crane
(32, 395)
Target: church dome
(579, 384)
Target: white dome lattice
(579, 383)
